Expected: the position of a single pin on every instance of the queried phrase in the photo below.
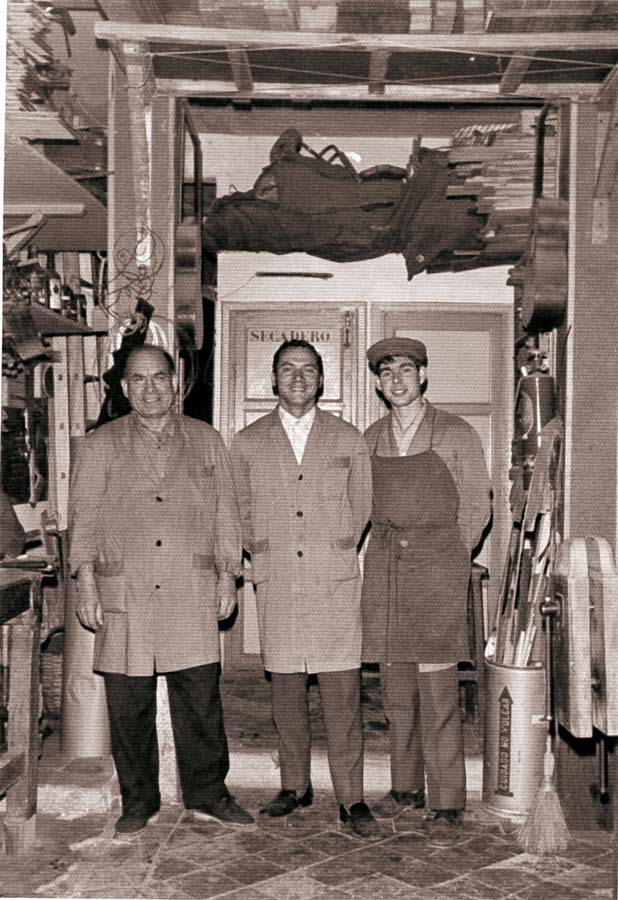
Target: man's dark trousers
(199, 737)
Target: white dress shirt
(297, 430)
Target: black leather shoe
(286, 802)
(226, 811)
(128, 827)
(358, 820)
(395, 802)
(445, 816)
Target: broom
(545, 830)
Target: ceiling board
(243, 37)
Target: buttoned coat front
(301, 525)
(157, 544)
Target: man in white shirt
(303, 480)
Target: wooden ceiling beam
(238, 37)
(241, 69)
(198, 87)
(378, 65)
(514, 74)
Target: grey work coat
(156, 544)
(301, 525)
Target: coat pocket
(112, 591)
(259, 569)
(344, 560)
(110, 643)
(335, 477)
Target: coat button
(159, 499)
(158, 543)
(404, 543)
(300, 477)
(300, 513)
(157, 586)
(299, 552)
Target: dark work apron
(417, 567)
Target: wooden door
(251, 337)
(469, 375)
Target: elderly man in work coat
(155, 546)
(431, 502)
(304, 488)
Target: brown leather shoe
(395, 802)
(286, 802)
(359, 821)
(444, 816)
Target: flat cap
(396, 346)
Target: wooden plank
(47, 208)
(59, 448)
(608, 169)
(378, 65)
(198, 87)
(514, 74)
(23, 727)
(12, 767)
(226, 37)
(140, 87)
(38, 126)
(241, 69)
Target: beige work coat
(157, 544)
(301, 525)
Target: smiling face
(149, 385)
(297, 380)
(400, 381)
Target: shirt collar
(289, 421)
(168, 431)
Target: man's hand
(88, 607)
(225, 594)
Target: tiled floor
(303, 857)
(306, 856)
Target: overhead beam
(514, 74)
(238, 37)
(241, 69)
(378, 64)
(198, 87)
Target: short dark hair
(148, 348)
(289, 345)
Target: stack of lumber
(26, 47)
(495, 167)
(550, 15)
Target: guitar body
(544, 297)
(188, 282)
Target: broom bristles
(545, 831)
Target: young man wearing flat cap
(431, 502)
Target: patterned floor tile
(203, 884)
(341, 871)
(170, 865)
(249, 869)
(296, 887)
(551, 891)
(332, 843)
(292, 855)
(383, 887)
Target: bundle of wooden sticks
(515, 640)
